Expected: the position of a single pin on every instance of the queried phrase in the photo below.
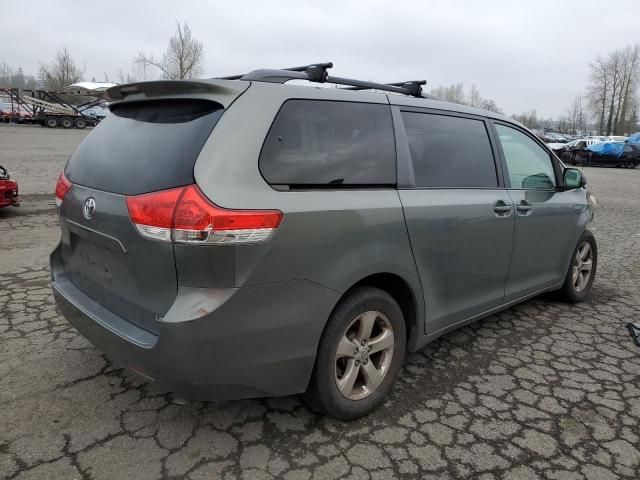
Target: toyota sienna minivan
(247, 237)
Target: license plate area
(95, 258)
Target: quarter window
(315, 142)
(449, 152)
(528, 165)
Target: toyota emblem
(89, 207)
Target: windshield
(144, 146)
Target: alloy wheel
(364, 354)
(582, 266)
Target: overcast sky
(523, 54)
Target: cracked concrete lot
(543, 390)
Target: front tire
(582, 270)
(359, 356)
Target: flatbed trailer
(51, 109)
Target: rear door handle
(524, 207)
(502, 208)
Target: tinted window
(449, 152)
(325, 142)
(144, 146)
(528, 164)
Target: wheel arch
(409, 298)
(403, 293)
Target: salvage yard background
(542, 390)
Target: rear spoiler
(224, 91)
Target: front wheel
(582, 270)
(359, 356)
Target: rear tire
(51, 122)
(80, 123)
(66, 122)
(584, 260)
(355, 370)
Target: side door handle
(524, 207)
(501, 208)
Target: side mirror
(573, 178)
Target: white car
(557, 146)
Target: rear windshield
(144, 146)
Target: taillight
(185, 215)
(62, 188)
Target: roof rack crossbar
(317, 72)
(413, 87)
(364, 85)
(305, 67)
(302, 68)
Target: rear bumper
(213, 344)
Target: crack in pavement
(542, 390)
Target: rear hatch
(143, 146)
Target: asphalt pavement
(542, 390)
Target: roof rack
(317, 72)
(413, 87)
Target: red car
(8, 190)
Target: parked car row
(553, 137)
(562, 138)
(594, 152)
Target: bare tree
(455, 94)
(613, 89)
(475, 99)
(490, 105)
(615, 65)
(62, 72)
(630, 80)
(125, 77)
(182, 59)
(599, 90)
(528, 119)
(576, 121)
(563, 124)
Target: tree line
(611, 104)
(16, 78)
(455, 93)
(613, 90)
(183, 58)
